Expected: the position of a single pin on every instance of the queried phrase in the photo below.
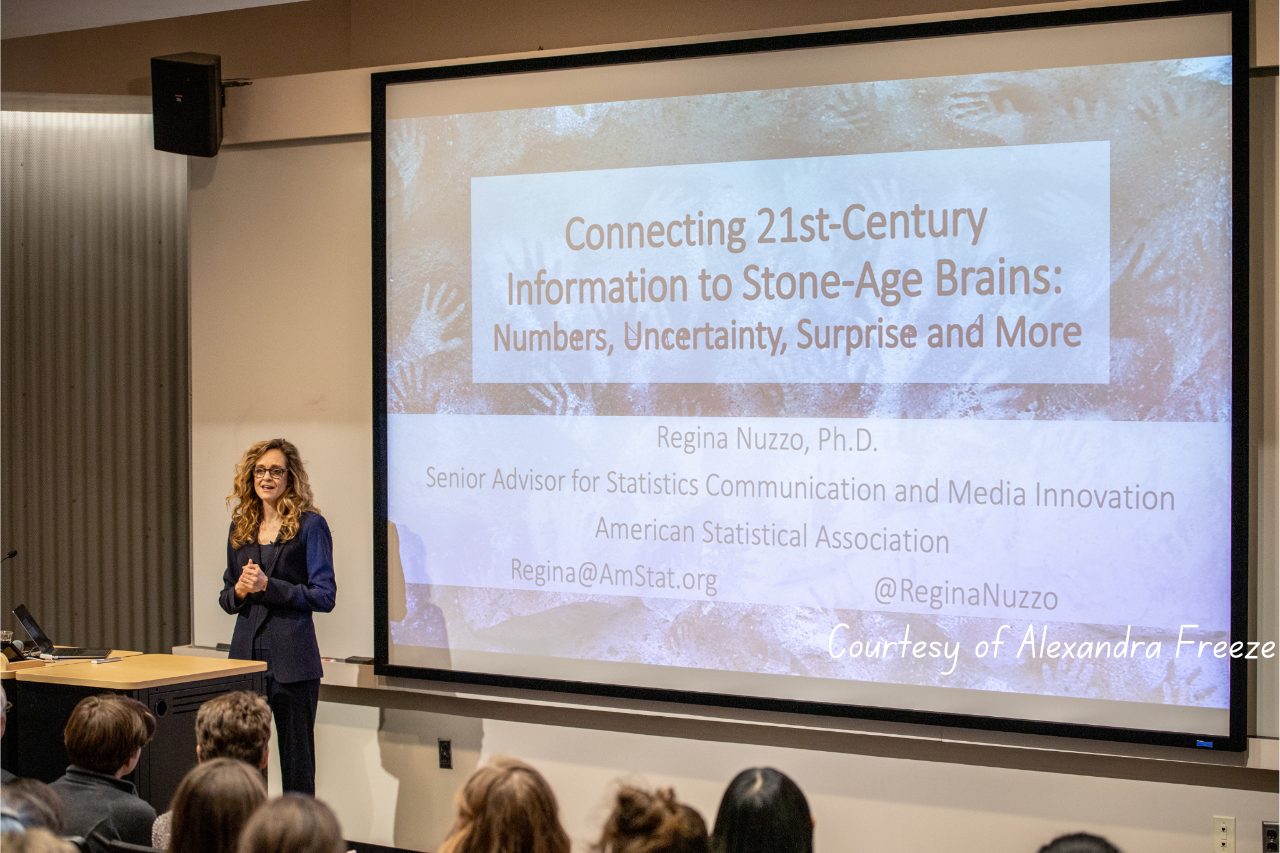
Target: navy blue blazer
(299, 582)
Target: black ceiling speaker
(186, 103)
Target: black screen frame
(1235, 741)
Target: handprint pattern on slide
(1168, 355)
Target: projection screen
(894, 373)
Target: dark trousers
(294, 707)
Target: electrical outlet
(1224, 834)
(1270, 837)
(446, 756)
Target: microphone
(12, 552)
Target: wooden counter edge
(108, 676)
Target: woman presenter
(279, 572)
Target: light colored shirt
(160, 831)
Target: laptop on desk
(46, 646)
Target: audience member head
(33, 804)
(234, 725)
(1079, 842)
(506, 806)
(762, 809)
(644, 822)
(294, 823)
(37, 840)
(106, 733)
(212, 804)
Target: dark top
(278, 620)
(98, 802)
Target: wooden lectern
(172, 686)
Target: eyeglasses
(274, 473)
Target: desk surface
(137, 671)
(9, 669)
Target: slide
(905, 393)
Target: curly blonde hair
(246, 506)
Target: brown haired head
(508, 806)
(246, 506)
(234, 725)
(212, 804)
(296, 823)
(34, 803)
(37, 840)
(652, 822)
(104, 731)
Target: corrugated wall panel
(94, 379)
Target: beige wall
(378, 765)
(280, 344)
(329, 35)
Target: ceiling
(20, 18)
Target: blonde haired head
(246, 506)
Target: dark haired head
(763, 810)
(105, 731)
(652, 822)
(1079, 842)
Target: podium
(172, 686)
